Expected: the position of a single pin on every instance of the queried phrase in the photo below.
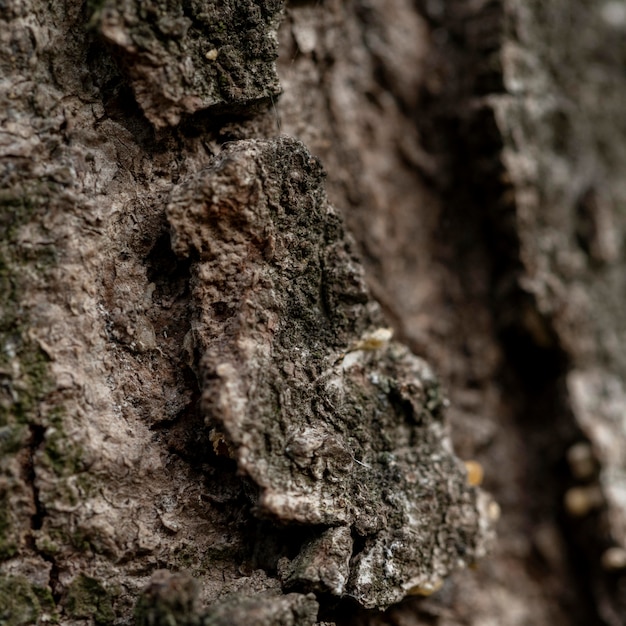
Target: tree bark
(270, 274)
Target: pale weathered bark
(204, 418)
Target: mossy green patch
(8, 546)
(13, 438)
(46, 545)
(87, 598)
(22, 363)
(64, 457)
(22, 603)
(24, 378)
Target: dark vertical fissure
(37, 435)
(480, 225)
(37, 438)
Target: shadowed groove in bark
(37, 436)
(35, 443)
(536, 363)
(477, 235)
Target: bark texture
(204, 418)
(341, 430)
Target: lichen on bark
(184, 57)
(338, 427)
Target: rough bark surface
(185, 57)
(203, 416)
(340, 429)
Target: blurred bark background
(475, 150)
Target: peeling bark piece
(323, 564)
(336, 431)
(183, 57)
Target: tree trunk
(280, 283)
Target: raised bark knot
(340, 427)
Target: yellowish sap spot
(426, 589)
(614, 559)
(475, 473)
(580, 501)
(221, 447)
(494, 511)
(375, 340)
(581, 461)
